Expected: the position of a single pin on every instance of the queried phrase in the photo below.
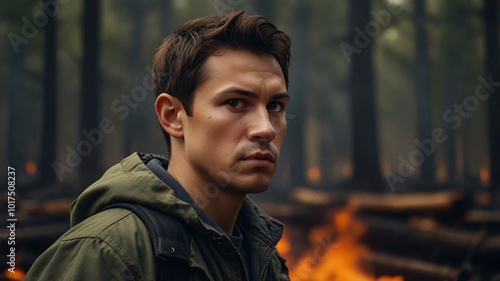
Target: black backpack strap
(170, 239)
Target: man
(221, 85)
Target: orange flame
(16, 275)
(284, 246)
(484, 176)
(30, 167)
(314, 174)
(335, 253)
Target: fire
(335, 253)
(30, 167)
(17, 275)
(484, 176)
(314, 174)
(284, 246)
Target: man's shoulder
(118, 232)
(110, 245)
(110, 223)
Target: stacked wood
(411, 269)
(423, 236)
(439, 243)
(428, 202)
(439, 201)
(49, 207)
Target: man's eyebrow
(254, 95)
(280, 96)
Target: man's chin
(258, 190)
(254, 184)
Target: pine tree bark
(364, 118)
(424, 110)
(90, 96)
(295, 144)
(134, 132)
(49, 126)
(493, 68)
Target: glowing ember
(314, 174)
(484, 176)
(335, 253)
(31, 167)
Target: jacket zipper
(266, 265)
(268, 258)
(242, 263)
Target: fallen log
(441, 242)
(50, 207)
(428, 202)
(411, 269)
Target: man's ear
(169, 110)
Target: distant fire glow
(335, 252)
(18, 275)
(314, 174)
(31, 167)
(484, 176)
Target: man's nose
(262, 128)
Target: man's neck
(224, 209)
(220, 204)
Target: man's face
(237, 127)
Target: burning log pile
(440, 236)
(364, 236)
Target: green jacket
(114, 244)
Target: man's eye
(235, 103)
(275, 106)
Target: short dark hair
(177, 64)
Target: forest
(387, 96)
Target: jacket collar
(250, 218)
(255, 222)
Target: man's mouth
(260, 156)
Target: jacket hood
(133, 182)
(130, 181)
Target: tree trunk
(90, 150)
(49, 126)
(298, 91)
(365, 143)
(16, 141)
(135, 135)
(493, 69)
(451, 96)
(424, 111)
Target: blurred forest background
(387, 95)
